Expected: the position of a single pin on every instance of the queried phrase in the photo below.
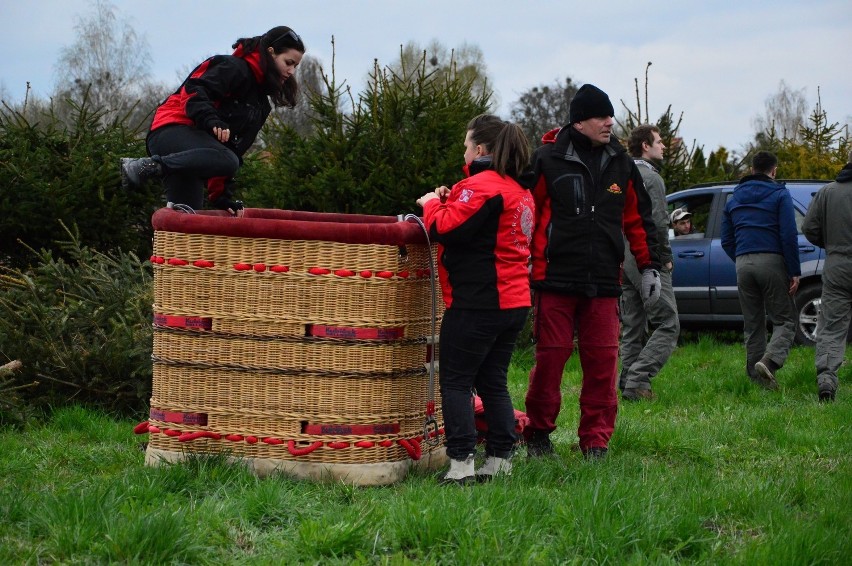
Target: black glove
(225, 202)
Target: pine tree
(401, 138)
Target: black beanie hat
(589, 102)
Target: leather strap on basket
(194, 322)
(350, 429)
(355, 333)
(430, 437)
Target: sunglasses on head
(292, 35)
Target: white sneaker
(493, 467)
(461, 472)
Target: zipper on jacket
(547, 242)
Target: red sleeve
(542, 221)
(458, 215)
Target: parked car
(704, 277)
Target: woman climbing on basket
(483, 226)
(200, 133)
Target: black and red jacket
(483, 232)
(227, 91)
(578, 245)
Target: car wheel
(808, 302)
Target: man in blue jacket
(759, 234)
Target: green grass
(713, 471)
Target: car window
(799, 219)
(699, 206)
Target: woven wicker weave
(248, 354)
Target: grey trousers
(833, 321)
(763, 287)
(642, 354)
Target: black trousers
(189, 157)
(476, 348)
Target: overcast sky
(715, 61)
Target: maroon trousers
(596, 322)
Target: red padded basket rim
(292, 225)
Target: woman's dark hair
(505, 141)
(280, 39)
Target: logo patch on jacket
(614, 189)
(465, 195)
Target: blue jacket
(759, 218)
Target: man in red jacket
(588, 195)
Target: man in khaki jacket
(649, 333)
(828, 224)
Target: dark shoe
(595, 453)
(469, 480)
(826, 395)
(135, 171)
(765, 373)
(538, 445)
(633, 394)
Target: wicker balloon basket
(295, 342)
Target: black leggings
(189, 157)
(476, 348)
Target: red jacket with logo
(578, 246)
(483, 232)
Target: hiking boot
(826, 395)
(135, 171)
(460, 472)
(493, 467)
(538, 444)
(595, 453)
(634, 394)
(764, 371)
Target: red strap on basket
(200, 322)
(357, 333)
(291, 447)
(412, 446)
(199, 419)
(347, 429)
(190, 436)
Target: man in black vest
(589, 195)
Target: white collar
(647, 164)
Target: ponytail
(505, 141)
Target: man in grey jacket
(643, 355)
(828, 224)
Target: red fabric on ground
(521, 419)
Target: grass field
(715, 471)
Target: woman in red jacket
(200, 133)
(483, 226)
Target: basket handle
(430, 421)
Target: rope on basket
(430, 421)
(180, 207)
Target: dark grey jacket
(828, 223)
